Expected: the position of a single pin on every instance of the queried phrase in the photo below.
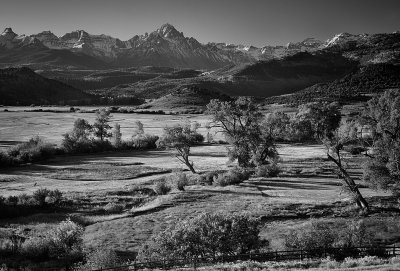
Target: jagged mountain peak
(169, 31)
(9, 33)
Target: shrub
(36, 248)
(197, 138)
(112, 207)
(161, 188)
(32, 151)
(66, 241)
(54, 197)
(98, 259)
(7, 160)
(316, 236)
(143, 142)
(40, 196)
(207, 235)
(180, 181)
(12, 200)
(207, 178)
(25, 200)
(232, 177)
(270, 170)
(320, 236)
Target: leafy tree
(325, 119)
(209, 136)
(139, 130)
(240, 121)
(101, 125)
(78, 137)
(383, 115)
(207, 235)
(276, 125)
(116, 134)
(181, 138)
(81, 130)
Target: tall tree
(117, 135)
(383, 116)
(325, 119)
(101, 126)
(240, 121)
(181, 138)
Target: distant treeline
(100, 82)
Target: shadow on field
(208, 154)
(230, 192)
(276, 184)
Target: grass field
(307, 188)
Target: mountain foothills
(164, 62)
(22, 86)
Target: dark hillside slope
(359, 85)
(22, 86)
(287, 75)
(34, 55)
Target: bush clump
(161, 187)
(63, 243)
(180, 181)
(36, 149)
(321, 237)
(45, 196)
(232, 177)
(270, 170)
(98, 259)
(207, 235)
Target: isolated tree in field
(181, 138)
(116, 135)
(325, 119)
(241, 123)
(101, 126)
(383, 115)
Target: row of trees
(100, 136)
(252, 136)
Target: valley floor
(307, 188)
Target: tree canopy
(383, 115)
(241, 122)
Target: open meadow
(111, 193)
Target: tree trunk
(359, 199)
(190, 166)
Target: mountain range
(169, 47)
(169, 68)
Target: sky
(248, 22)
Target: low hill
(186, 99)
(22, 86)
